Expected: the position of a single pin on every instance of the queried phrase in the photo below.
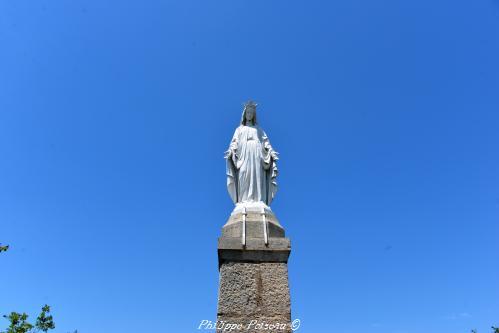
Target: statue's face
(250, 114)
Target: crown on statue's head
(250, 104)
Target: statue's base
(251, 207)
(254, 291)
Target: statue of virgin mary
(251, 162)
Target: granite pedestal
(253, 262)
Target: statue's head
(249, 113)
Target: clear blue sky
(114, 116)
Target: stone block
(254, 294)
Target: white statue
(251, 162)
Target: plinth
(253, 257)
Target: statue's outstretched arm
(232, 151)
(270, 152)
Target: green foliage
(45, 322)
(19, 322)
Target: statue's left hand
(274, 155)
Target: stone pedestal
(254, 289)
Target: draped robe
(251, 166)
